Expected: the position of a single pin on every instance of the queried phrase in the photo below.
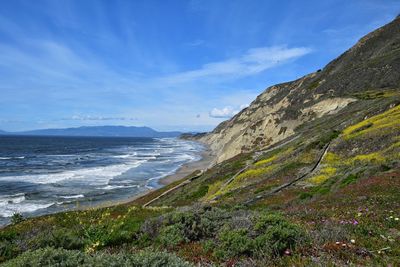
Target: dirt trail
(280, 188)
(255, 158)
(174, 188)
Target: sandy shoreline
(207, 158)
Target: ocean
(41, 175)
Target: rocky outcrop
(372, 64)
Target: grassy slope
(343, 211)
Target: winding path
(174, 188)
(280, 188)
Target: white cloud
(254, 61)
(226, 112)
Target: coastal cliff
(373, 64)
(307, 175)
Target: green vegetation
(266, 161)
(17, 218)
(382, 123)
(313, 85)
(61, 257)
(368, 95)
(294, 205)
(352, 178)
(323, 175)
(346, 210)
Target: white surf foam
(10, 210)
(92, 176)
(73, 196)
(10, 204)
(111, 187)
(8, 158)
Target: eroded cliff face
(269, 119)
(372, 64)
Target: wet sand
(205, 162)
(207, 159)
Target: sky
(171, 65)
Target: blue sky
(171, 65)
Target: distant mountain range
(101, 131)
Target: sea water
(41, 175)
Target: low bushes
(227, 233)
(58, 238)
(276, 234)
(222, 233)
(69, 258)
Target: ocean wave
(156, 161)
(12, 199)
(73, 196)
(10, 210)
(111, 187)
(8, 158)
(93, 176)
(10, 204)
(130, 155)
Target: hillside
(373, 64)
(101, 131)
(307, 175)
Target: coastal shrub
(201, 192)
(199, 223)
(291, 166)
(228, 233)
(267, 220)
(59, 238)
(305, 195)
(234, 243)
(276, 234)
(265, 188)
(324, 139)
(279, 238)
(189, 223)
(370, 158)
(243, 178)
(378, 124)
(68, 258)
(17, 218)
(349, 180)
(213, 190)
(93, 233)
(8, 250)
(171, 236)
(152, 226)
(143, 241)
(331, 158)
(209, 245)
(255, 172)
(265, 161)
(325, 173)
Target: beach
(42, 175)
(207, 158)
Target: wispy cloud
(254, 61)
(98, 118)
(197, 42)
